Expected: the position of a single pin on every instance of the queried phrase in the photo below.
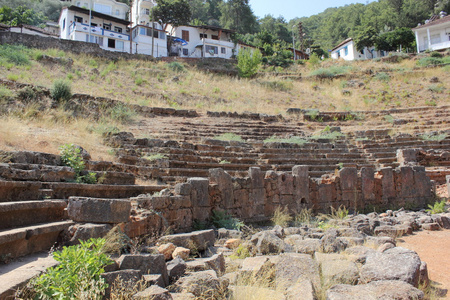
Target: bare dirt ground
(433, 247)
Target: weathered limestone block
(393, 264)
(301, 184)
(267, 242)
(145, 263)
(95, 210)
(196, 240)
(387, 184)
(336, 268)
(368, 184)
(286, 184)
(422, 185)
(326, 194)
(200, 283)
(301, 290)
(176, 268)
(199, 192)
(128, 277)
(225, 185)
(257, 178)
(183, 189)
(385, 289)
(407, 156)
(407, 184)
(349, 179)
(447, 178)
(181, 252)
(154, 292)
(253, 292)
(293, 267)
(86, 231)
(167, 250)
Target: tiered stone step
(30, 226)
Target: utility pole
(293, 42)
(90, 20)
(153, 32)
(131, 26)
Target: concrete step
(26, 213)
(22, 241)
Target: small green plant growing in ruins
(340, 213)
(78, 275)
(437, 208)
(222, 219)
(71, 157)
(281, 217)
(224, 162)
(155, 156)
(241, 252)
(304, 217)
(291, 140)
(229, 136)
(433, 137)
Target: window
(223, 50)
(117, 12)
(119, 45)
(79, 4)
(203, 36)
(345, 50)
(212, 49)
(146, 11)
(185, 35)
(101, 8)
(78, 19)
(118, 29)
(111, 43)
(215, 37)
(435, 39)
(142, 31)
(106, 27)
(64, 24)
(155, 34)
(185, 52)
(162, 35)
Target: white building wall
(349, 52)
(109, 7)
(433, 38)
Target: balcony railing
(81, 27)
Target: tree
(365, 38)
(174, 12)
(249, 62)
(399, 38)
(237, 15)
(20, 16)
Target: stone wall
(255, 198)
(78, 47)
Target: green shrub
(14, 54)
(436, 54)
(331, 72)
(249, 62)
(433, 61)
(78, 275)
(176, 67)
(155, 156)
(241, 252)
(89, 178)
(434, 137)
(5, 94)
(222, 219)
(13, 77)
(282, 86)
(122, 113)
(382, 76)
(61, 90)
(437, 207)
(71, 157)
(340, 214)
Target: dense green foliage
(175, 12)
(78, 274)
(61, 90)
(42, 9)
(249, 62)
(71, 157)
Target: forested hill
(324, 30)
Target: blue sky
(290, 9)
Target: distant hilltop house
(434, 34)
(201, 41)
(347, 50)
(107, 7)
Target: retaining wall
(255, 198)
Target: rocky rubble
(356, 258)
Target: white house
(201, 41)
(108, 7)
(150, 41)
(434, 34)
(141, 11)
(347, 51)
(109, 32)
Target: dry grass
(153, 84)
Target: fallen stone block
(393, 264)
(194, 241)
(175, 269)
(95, 210)
(385, 289)
(146, 263)
(154, 293)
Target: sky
(291, 9)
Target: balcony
(217, 43)
(81, 27)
